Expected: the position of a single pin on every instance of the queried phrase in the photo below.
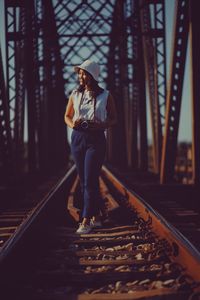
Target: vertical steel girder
(19, 125)
(160, 48)
(194, 34)
(155, 66)
(175, 93)
(31, 79)
(6, 161)
(52, 138)
(134, 24)
(15, 74)
(118, 85)
(139, 95)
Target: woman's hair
(95, 88)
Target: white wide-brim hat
(91, 67)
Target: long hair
(95, 88)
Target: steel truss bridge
(44, 39)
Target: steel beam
(52, 137)
(14, 34)
(174, 96)
(6, 151)
(29, 61)
(158, 17)
(194, 34)
(139, 128)
(153, 31)
(118, 85)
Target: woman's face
(84, 78)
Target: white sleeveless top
(86, 108)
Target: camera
(86, 124)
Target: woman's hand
(77, 123)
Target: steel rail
(33, 217)
(182, 245)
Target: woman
(90, 110)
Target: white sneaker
(83, 229)
(95, 224)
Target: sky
(185, 131)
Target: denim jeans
(88, 150)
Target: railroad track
(19, 205)
(10, 221)
(178, 203)
(136, 255)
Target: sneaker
(95, 224)
(83, 229)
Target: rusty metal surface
(177, 203)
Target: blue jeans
(88, 150)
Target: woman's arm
(69, 113)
